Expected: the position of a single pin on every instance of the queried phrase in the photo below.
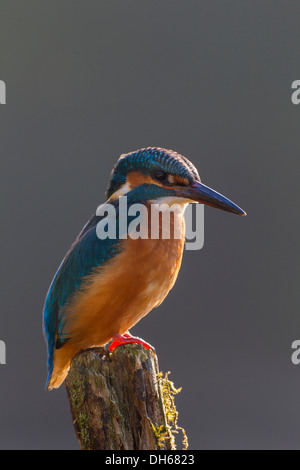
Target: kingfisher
(104, 286)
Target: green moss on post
(77, 397)
(120, 401)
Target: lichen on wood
(120, 400)
(168, 392)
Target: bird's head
(159, 175)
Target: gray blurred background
(89, 80)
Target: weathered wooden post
(120, 401)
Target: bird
(103, 287)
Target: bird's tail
(55, 380)
(59, 371)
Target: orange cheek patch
(137, 178)
(181, 180)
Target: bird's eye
(159, 175)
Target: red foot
(126, 338)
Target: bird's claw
(127, 338)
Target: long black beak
(198, 192)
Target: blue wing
(86, 253)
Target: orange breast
(126, 289)
(119, 294)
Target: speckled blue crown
(149, 159)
